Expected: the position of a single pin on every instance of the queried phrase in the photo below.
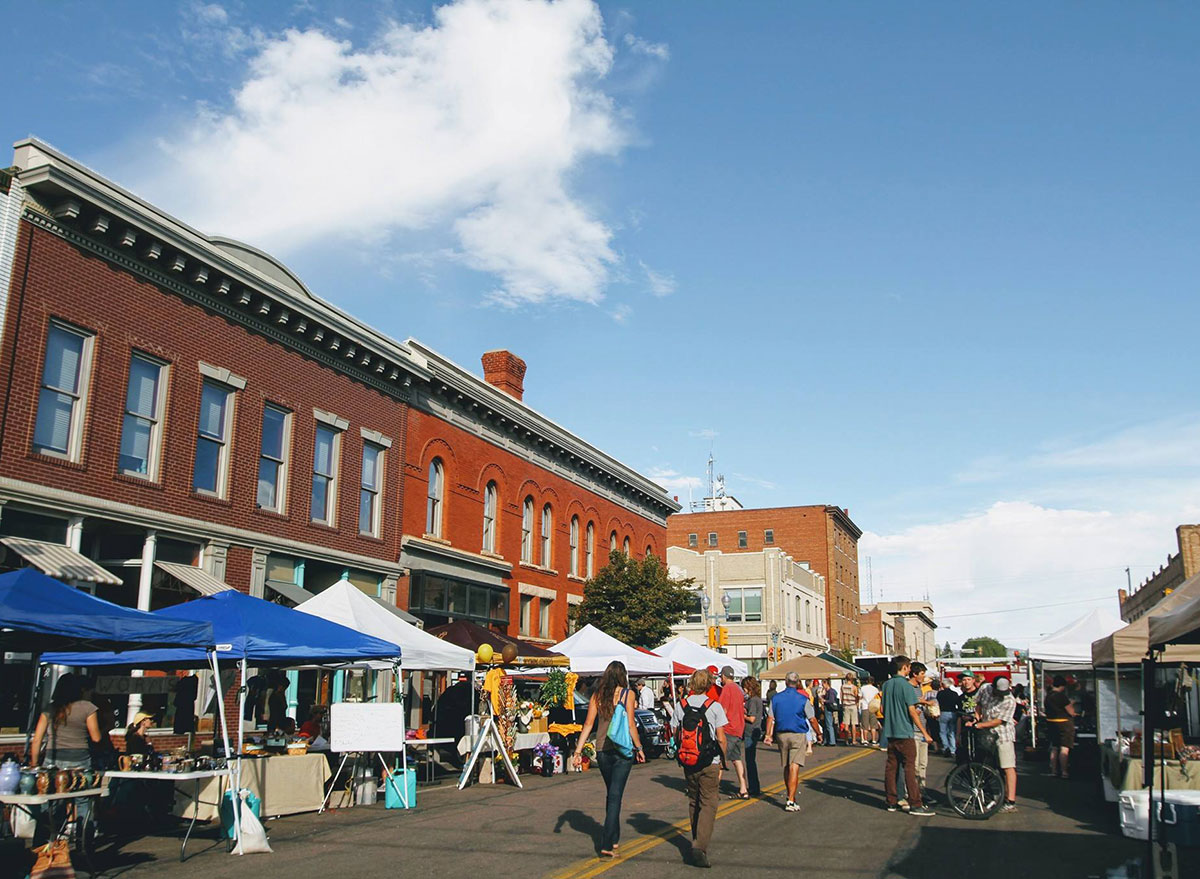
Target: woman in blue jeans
(612, 695)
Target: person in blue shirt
(901, 722)
(788, 720)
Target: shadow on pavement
(580, 822)
(674, 782)
(648, 826)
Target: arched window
(612, 542)
(625, 546)
(489, 518)
(436, 498)
(649, 550)
(547, 528)
(590, 549)
(527, 531)
(574, 546)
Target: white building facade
(776, 608)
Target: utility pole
(1129, 580)
(870, 583)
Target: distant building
(1163, 582)
(822, 535)
(776, 609)
(878, 632)
(913, 625)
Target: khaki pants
(922, 760)
(703, 790)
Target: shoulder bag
(618, 727)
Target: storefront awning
(59, 561)
(402, 614)
(199, 579)
(292, 593)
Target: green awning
(848, 666)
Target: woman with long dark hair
(610, 696)
(754, 728)
(67, 728)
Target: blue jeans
(752, 783)
(831, 727)
(948, 725)
(615, 770)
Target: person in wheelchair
(996, 709)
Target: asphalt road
(549, 829)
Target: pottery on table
(28, 784)
(44, 781)
(62, 781)
(10, 776)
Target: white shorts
(1007, 753)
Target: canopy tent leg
(35, 688)
(237, 787)
(237, 812)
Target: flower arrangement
(545, 756)
(588, 751)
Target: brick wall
(809, 533)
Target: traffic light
(724, 635)
(712, 636)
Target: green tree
(947, 651)
(634, 600)
(983, 646)
(844, 652)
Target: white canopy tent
(591, 650)
(1071, 646)
(687, 652)
(347, 605)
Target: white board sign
(366, 726)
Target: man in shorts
(868, 711)
(996, 707)
(850, 697)
(788, 721)
(1060, 726)
(733, 700)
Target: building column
(215, 557)
(75, 533)
(145, 581)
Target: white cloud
(621, 313)
(754, 480)
(673, 480)
(643, 47)
(704, 433)
(473, 124)
(661, 284)
(1068, 523)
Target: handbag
(618, 728)
(53, 861)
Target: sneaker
(700, 858)
(791, 807)
(881, 747)
(1009, 807)
(893, 808)
(924, 811)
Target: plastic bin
(227, 811)
(403, 780)
(1179, 814)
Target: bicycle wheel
(975, 790)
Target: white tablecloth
(285, 784)
(523, 742)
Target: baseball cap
(727, 671)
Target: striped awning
(59, 561)
(199, 579)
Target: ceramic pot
(28, 783)
(125, 762)
(62, 781)
(44, 781)
(10, 777)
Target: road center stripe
(595, 866)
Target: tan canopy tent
(1180, 626)
(1130, 644)
(807, 667)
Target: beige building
(914, 627)
(775, 603)
(1164, 581)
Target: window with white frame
(272, 458)
(693, 540)
(590, 549)
(527, 531)
(695, 613)
(712, 538)
(545, 614)
(547, 531)
(326, 450)
(526, 618)
(141, 428)
(574, 546)
(489, 517)
(370, 488)
(62, 398)
(741, 540)
(745, 604)
(769, 536)
(435, 498)
(210, 473)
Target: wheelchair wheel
(975, 790)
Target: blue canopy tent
(38, 613)
(248, 630)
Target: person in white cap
(996, 708)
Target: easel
(489, 735)
(388, 774)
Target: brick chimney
(506, 371)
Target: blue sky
(935, 264)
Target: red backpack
(694, 743)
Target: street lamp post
(716, 616)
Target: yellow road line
(595, 866)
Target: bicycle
(975, 789)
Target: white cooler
(1179, 815)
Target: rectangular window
(712, 538)
(324, 481)
(368, 494)
(141, 428)
(741, 540)
(58, 430)
(545, 611)
(693, 540)
(212, 440)
(272, 458)
(745, 605)
(695, 612)
(769, 537)
(526, 613)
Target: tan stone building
(1164, 581)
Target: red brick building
(822, 535)
(179, 414)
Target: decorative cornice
(418, 544)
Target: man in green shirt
(901, 722)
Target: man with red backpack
(789, 720)
(699, 723)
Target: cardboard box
(539, 725)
